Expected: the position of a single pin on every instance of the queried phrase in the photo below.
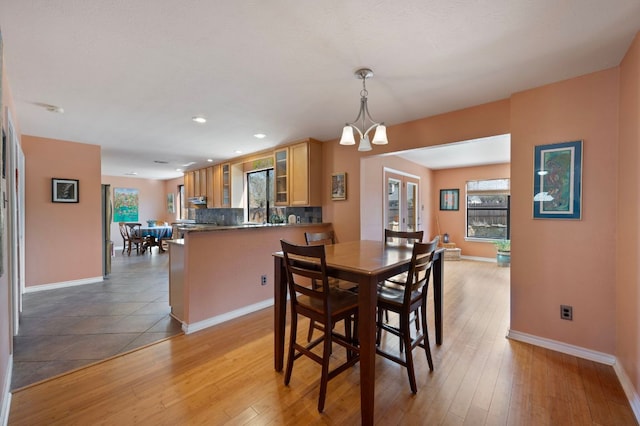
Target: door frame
(404, 178)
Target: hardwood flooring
(225, 375)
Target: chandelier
(380, 136)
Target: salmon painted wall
(373, 185)
(171, 187)
(152, 199)
(480, 121)
(628, 231)
(62, 240)
(568, 262)
(454, 222)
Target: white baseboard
(6, 393)
(629, 390)
(63, 284)
(210, 322)
(589, 354)
(480, 259)
(562, 347)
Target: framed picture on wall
(339, 186)
(557, 187)
(449, 199)
(64, 190)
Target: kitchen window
(488, 210)
(259, 196)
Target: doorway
(401, 201)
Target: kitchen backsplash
(235, 216)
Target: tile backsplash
(235, 216)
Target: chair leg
(379, 327)
(292, 348)
(406, 338)
(312, 325)
(324, 378)
(425, 341)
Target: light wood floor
(225, 375)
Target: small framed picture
(339, 186)
(449, 199)
(64, 190)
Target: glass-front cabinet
(281, 157)
(225, 171)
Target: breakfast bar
(217, 273)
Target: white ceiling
(130, 75)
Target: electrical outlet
(263, 280)
(566, 312)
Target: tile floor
(61, 330)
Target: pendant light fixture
(380, 136)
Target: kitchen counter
(217, 273)
(205, 227)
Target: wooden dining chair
(405, 300)
(130, 233)
(323, 304)
(326, 238)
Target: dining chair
(405, 300)
(399, 238)
(323, 304)
(326, 238)
(130, 233)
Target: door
(260, 197)
(401, 202)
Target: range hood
(197, 200)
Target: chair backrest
(402, 237)
(306, 265)
(319, 238)
(124, 230)
(420, 269)
(133, 230)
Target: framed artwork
(171, 207)
(339, 186)
(125, 205)
(449, 199)
(557, 181)
(64, 190)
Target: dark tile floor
(61, 330)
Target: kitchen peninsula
(215, 272)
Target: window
(488, 209)
(260, 196)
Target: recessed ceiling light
(191, 163)
(237, 151)
(199, 119)
(260, 135)
(131, 174)
(178, 170)
(210, 160)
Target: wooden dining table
(367, 263)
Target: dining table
(366, 263)
(155, 235)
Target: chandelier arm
(356, 129)
(366, 110)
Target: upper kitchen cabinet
(213, 180)
(281, 169)
(225, 178)
(189, 185)
(305, 173)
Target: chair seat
(341, 302)
(394, 297)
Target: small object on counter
(292, 218)
(297, 219)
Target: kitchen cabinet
(225, 177)
(189, 185)
(281, 157)
(305, 174)
(211, 181)
(203, 182)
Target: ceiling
(130, 75)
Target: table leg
(280, 311)
(367, 301)
(438, 299)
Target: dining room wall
(152, 201)
(62, 240)
(627, 250)
(171, 187)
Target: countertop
(204, 227)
